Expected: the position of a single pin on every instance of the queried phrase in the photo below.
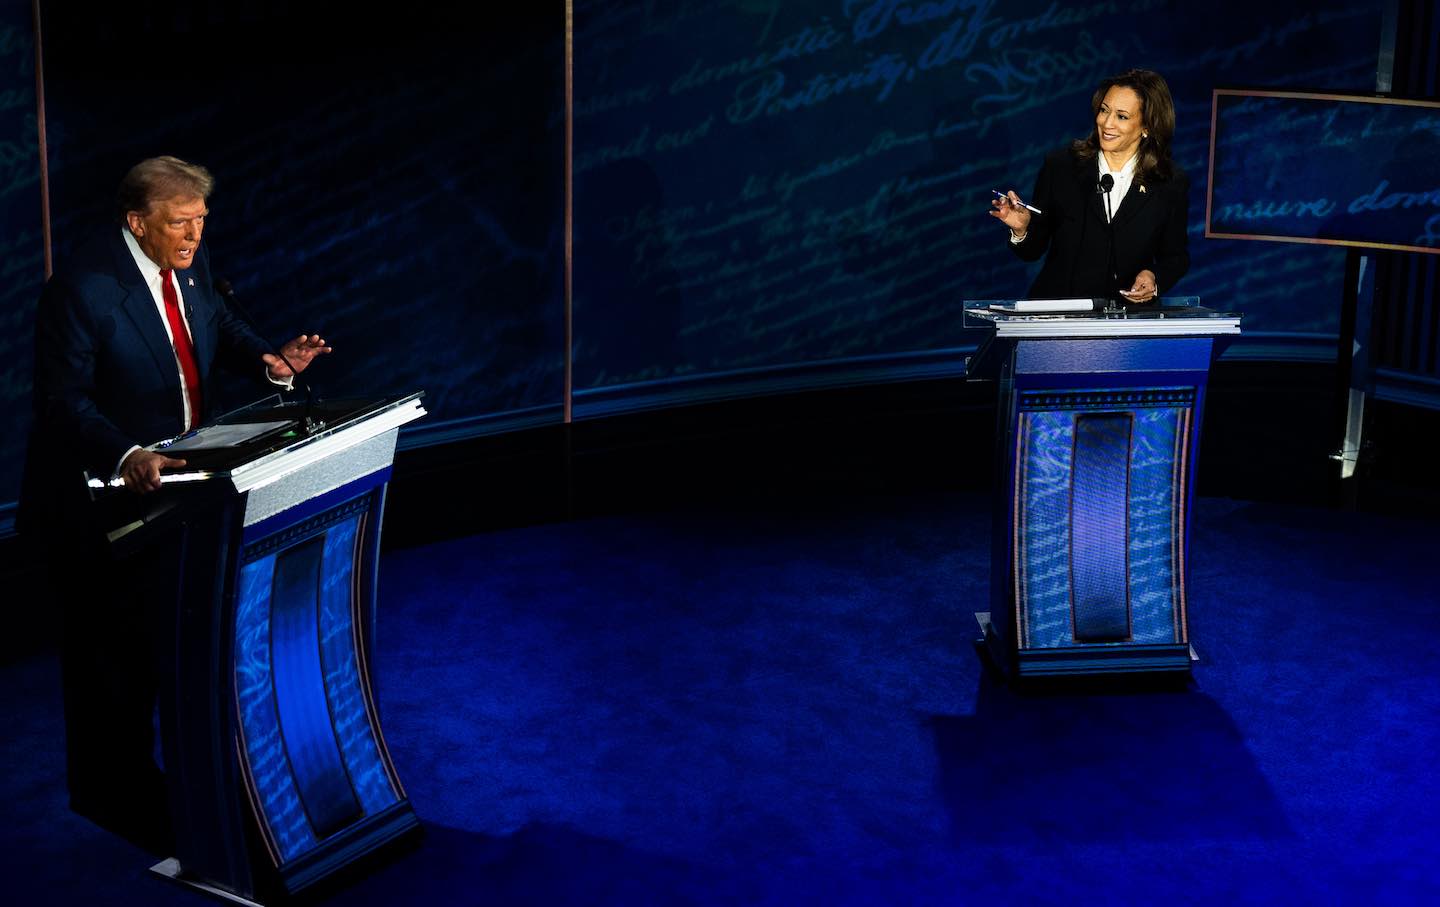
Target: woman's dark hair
(1157, 117)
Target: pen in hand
(1007, 198)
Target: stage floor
(782, 706)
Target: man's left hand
(299, 351)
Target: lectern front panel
(1098, 517)
(312, 757)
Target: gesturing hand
(1010, 212)
(299, 351)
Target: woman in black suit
(1130, 144)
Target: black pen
(1013, 202)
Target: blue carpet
(784, 707)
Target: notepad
(1045, 305)
(219, 436)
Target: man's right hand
(141, 470)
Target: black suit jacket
(105, 372)
(1074, 238)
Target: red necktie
(184, 351)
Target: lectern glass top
(272, 426)
(1072, 316)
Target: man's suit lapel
(139, 306)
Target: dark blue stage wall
(395, 182)
(22, 266)
(758, 185)
(768, 183)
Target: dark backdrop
(779, 182)
(758, 184)
(22, 269)
(392, 181)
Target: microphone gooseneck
(224, 288)
(1106, 183)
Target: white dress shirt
(1123, 177)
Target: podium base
(1118, 659)
(170, 870)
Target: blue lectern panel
(343, 685)
(1099, 527)
(300, 691)
(1111, 355)
(315, 763)
(288, 830)
(1158, 470)
(1043, 528)
(1095, 525)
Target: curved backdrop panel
(764, 185)
(767, 196)
(22, 267)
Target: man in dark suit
(127, 335)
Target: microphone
(223, 287)
(1107, 182)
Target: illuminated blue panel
(1045, 532)
(1099, 530)
(278, 798)
(300, 692)
(1155, 524)
(342, 674)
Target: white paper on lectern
(221, 436)
(1045, 305)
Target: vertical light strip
(1184, 518)
(1018, 525)
(569, 208)
(44, 153)
(1177, 507)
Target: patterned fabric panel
(267, 766)
(340, 650)
(1042, 511)
(1099, 527)
(1156, 470)
(300, 695)
(1044, 528)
